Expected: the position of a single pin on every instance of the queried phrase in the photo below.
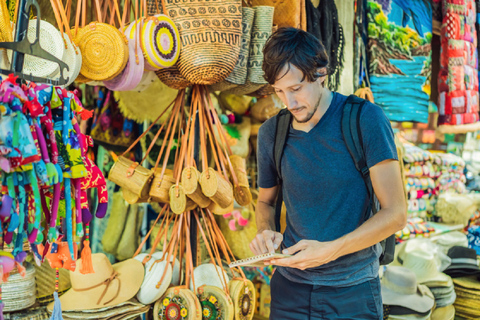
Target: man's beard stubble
(310, 115)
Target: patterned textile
(458, 75)
(399, 53)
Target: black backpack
(352, 136)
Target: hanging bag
(104, 48)
(131, 176)
(210, 35)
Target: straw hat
(178, 303)
(470, 283)
(147, 104)
(400, 288)
(215, 302)
(411, 316)
(210, 275)
(108, 286)
(445, 313)
(124, 310)
(424, 265)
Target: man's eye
(296, 89)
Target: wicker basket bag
(104, 49)
(210, 35)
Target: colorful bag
(111, 129)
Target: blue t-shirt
(324, 194)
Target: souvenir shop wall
(128, 151)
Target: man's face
(302, 98)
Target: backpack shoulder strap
(352, 136)
(284, 119)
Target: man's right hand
(266, 241)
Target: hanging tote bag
(131, 76)
(160, 41)
(210, 35)
(104, 49)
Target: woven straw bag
(160, 42)
(267, 107)
(288, 13)
(210, 34)
(50, 40)
(215, 303)
(131, 176)
(178, 303)
(261, 31)
(132, 75)
(104, 49)
(243, 294)
(6, 33)
(239, 73)
(173, 78)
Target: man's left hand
(309, 254)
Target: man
(333, 273)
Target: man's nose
(290, 101)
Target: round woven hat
(131, 76)
(160, 41)
(51, 41)
(216, 304)
(104, 51)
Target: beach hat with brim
(445, 313)
(110, 284)
(424, 265)
(400, 288)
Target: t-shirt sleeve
(377, 135)
(267, 172)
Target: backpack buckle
(365, 171)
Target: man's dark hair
(291, 46)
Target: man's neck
(325, 101)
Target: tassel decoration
(87, 266)
(57, 307)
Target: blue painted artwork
(399, 53)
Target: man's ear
(323, 74)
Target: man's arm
(387, 184)
(266, 240)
